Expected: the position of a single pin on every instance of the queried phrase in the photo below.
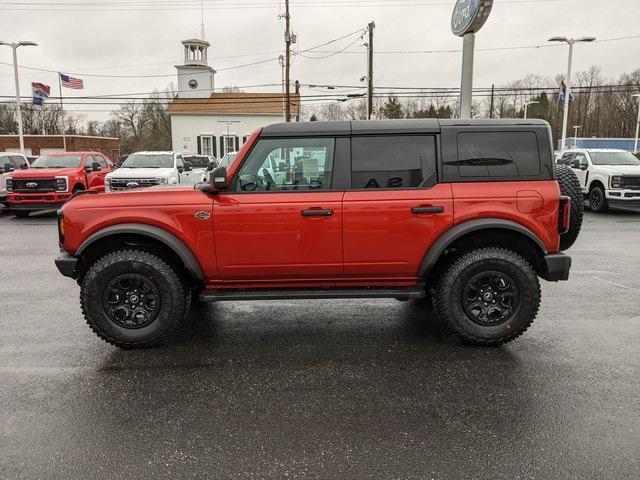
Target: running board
(404, 293)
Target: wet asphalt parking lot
(323, 389)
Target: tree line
(601, 106)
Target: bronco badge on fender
(202, 215)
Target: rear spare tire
(132, 299)
(570, 187)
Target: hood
(620, 169)
(43, 173)
(141, 173)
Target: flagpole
(64, 138)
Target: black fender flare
(167, 238)
(458, 231)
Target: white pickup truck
(607, 177)
(146, 169)
(9, 162)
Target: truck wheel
(570, 186)
(132, 299)
(597, 200)
(488, 296)
(21, 213)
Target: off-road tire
(161, 275)
(600, 204)
(570, 186)
(21, 213)
(450, 288)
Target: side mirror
(218, 180)
(95, 166)
(24, 166)
(210, 166)
(8, 168)
(187, 166)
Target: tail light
(565, 214)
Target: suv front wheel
(132, 299)
(488, 296)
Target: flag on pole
(71, 82)
(563, 92)
(40, 92)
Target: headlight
(9, 184)
(617, 181)
(163, 180)
(61, 184)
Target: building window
(229, 143)
(207, 145)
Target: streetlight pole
(526, 107)
(635, 147)
(575, 135)
(565, 118)
(14, 46)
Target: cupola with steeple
(195, 76)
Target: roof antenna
(202, 19)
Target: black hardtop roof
(373, 127)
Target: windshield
(614, 158)
(149, 160)
(57, 161)
(227, 159)
(197, 161)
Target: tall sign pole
(468, 17)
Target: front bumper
(557, 267)
(67, 265)
(36, 201)
(623, 195)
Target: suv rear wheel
(132, 299)
(488, 296)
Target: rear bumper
(557, 267)
(67, 265)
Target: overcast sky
(143, 38)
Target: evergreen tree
(392, 108)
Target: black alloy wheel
(131, 301)
(490, 298)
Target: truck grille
(126, 183)
(35, 185)
(632, 183)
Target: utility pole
(493, 89)
(298, 98)
(371, 27)
(287, 41)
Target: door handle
(430, 209)
(316, 212)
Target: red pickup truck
(53, 178)
(468, 213)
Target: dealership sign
(469, 16)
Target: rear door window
(393, 161)
(498, 154)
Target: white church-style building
(207, 122)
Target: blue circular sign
(469, 16)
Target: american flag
(70, 82)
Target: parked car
(9, 162)
(53, 178)
(201, 165)
(607, 177)
(470, 213)
(147, 169)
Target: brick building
(41, 144)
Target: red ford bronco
(468, 213)
(53, 178)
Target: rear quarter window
(487, 153)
